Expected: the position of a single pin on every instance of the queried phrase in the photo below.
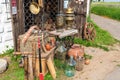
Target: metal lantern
(69, 17)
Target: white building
(6, 37)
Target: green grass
(13, 72)
(105, 3)
(102, 40)
(110, 11)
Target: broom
(41, 77)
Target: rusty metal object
(89, 32)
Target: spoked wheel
(89, 32)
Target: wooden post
(31, 77)
(34, 57)
(17, 22)
(26, 68)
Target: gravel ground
(110, 25)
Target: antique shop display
(48, 29)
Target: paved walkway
(113, 27)
(110, 25)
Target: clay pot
(75, 51)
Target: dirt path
(101, 64)
(110, 25)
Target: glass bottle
(70, 70)
(79, 63)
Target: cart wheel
(89, 32)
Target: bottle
(79, 63)
(70, 70)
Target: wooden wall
(17, 22)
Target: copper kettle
(75, 51)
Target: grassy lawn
(111, 10)
(103, 38)
(13, 72)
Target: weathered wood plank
(26, 68)
(31, 77)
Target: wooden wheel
(89, 32)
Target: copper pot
(76, 51)
(34, 7)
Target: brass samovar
(69, 18)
